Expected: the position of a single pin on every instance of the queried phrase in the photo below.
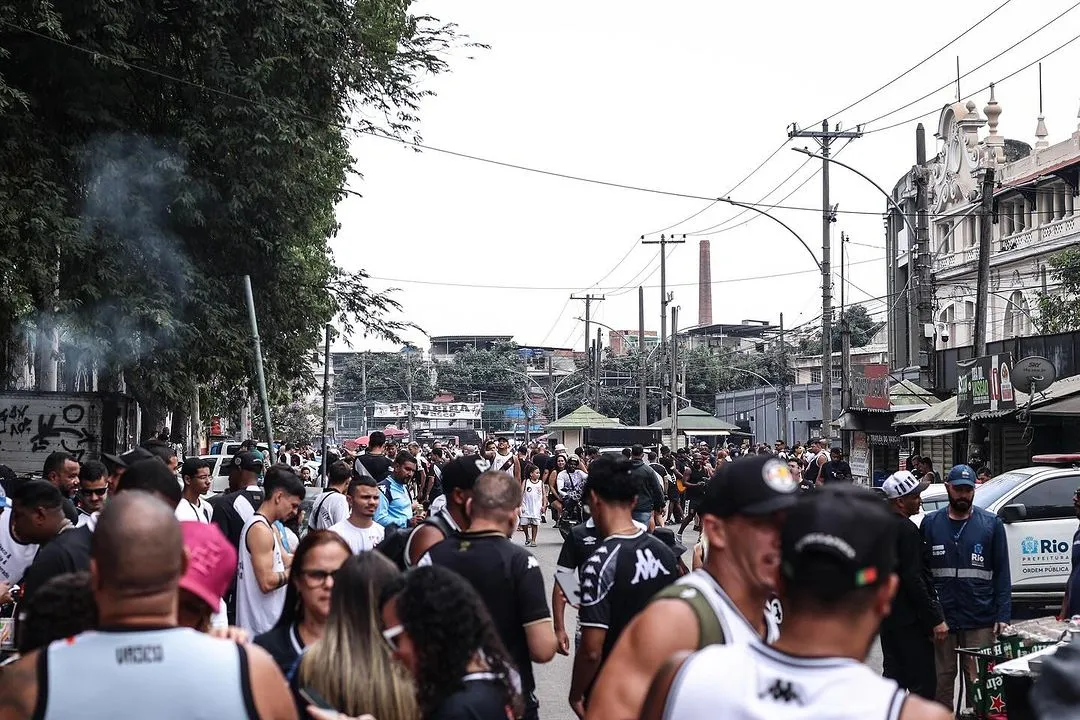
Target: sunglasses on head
(100, 492)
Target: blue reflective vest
(970, 565)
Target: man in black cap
(458, 478)
(235, 508)
(838, 553)
(725, 601)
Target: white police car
(1036, 505)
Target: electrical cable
(917, 65)
(986, 87)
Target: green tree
(132, 202)
(387, 376)
(498, 372)
(1059, 311)
(298, 422)
(863, 328)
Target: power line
(978, 67)
(441, 283)
(731, 190)
(915, 66)
(743, 211)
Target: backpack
(396, 541)
(710, 631)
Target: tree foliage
(387, 378)
(155, 152)
(1059, 311)
(863, 328)
(498, 372)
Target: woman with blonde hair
(351, 665)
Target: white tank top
(257, 611)
(531, 500)
(137, 674)
(737, 630)
(761, 683)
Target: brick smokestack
(704, 284)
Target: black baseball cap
(849, 525)
(667, 536)
(751, 485)
(248, 460)
(462, 472)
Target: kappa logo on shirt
(647, 567)
(533, 563)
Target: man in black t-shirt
(836, 469)
(621, 575)
(695, 479)
(375, 460)
(506, 576)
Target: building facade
(1033, 217)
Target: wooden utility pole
(825, 139)
(643, 391)
(782, 400)
(982, 294)
(663, 242)
(589, 300)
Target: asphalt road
(553, 678)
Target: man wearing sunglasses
(1071, 604)
(93, 487)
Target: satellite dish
(1033, 374)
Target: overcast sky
(686, 97)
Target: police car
(1036, 506)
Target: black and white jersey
(620, 578)
(762, 683)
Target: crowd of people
(399, 592)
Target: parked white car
(933, 498)
(1036, 505)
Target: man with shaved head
(505, 575)
(137, 560)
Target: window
(1017, 316)
(815, 376)
(945, 239)
(1050, 499)
(948, 318)
(971, 233)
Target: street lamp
(776, 220)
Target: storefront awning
(936, 432)
(1065, 406)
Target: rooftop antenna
(957, 78)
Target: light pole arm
(777, 220)
(834, 161)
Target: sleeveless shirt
(136, 673)
(737, 630)
(257, 611)
(761, 683)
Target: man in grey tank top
(137, 656)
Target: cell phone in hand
(314, 698)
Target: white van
(1036, 505)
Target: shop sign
(870, 386)
(985, 383)
(860, 456)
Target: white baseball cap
(902, 483)
(560, 448)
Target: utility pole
(674, 376)
(825, 139)
(409, 386)
(599, 349)
(982, 292)
(921, 347)
(325, 402)
(783, 399)
(363, 392)
(643, 392)
(663, 242)
(589, 300)
(845, 347)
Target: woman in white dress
(533, 504)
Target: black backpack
(396, 540)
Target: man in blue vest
(397, 506)
(968, 558)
